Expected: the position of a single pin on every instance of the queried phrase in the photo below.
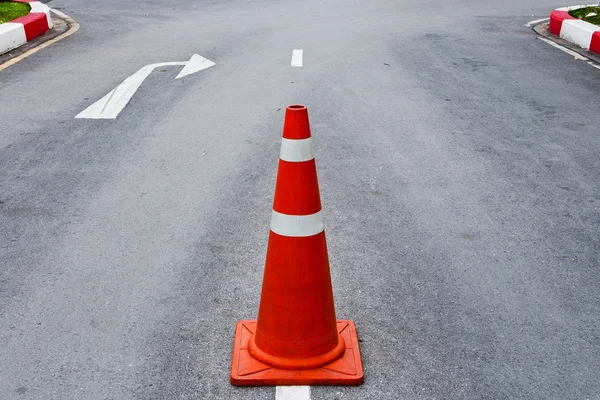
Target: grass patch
(581, 13)
(10, 10)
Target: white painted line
(297, 58)
(562, 48)
(537, 21)
(115, 101)
(111, 105)
(572, 7)
(594, 65)
(296, 150)
(297, 225)
(60, 13)
(292, 393)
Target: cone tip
(296, 107)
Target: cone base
(247, 371)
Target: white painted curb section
(297, 225)
(296, 150)
(12, 35)
(578, 32)
(292, 393)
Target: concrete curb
(24, 29)
(581, 33)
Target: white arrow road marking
(297, 58)
(115, 101)
(195, 64)
(292, 393)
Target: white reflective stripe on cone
(296, 150)
(297, 225)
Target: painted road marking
(297, 225)
(594, 65)
(195, 64)
(562, 48)
(297, 58)
(74, 28)
(115, 101)
(537, 21)
(292, 393)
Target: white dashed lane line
(297, 58)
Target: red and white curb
(21, 30)
(581, 33)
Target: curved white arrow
(115, 101)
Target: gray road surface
(458, 159)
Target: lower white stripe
(297, 225)
(296, 150)
(292, 393)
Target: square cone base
(247, 371)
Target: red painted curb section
(595, 44)
(35, 24)
(556, 19)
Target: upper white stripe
(296, 150)
(297, 225)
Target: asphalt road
(459, 173)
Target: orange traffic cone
(296, 339)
